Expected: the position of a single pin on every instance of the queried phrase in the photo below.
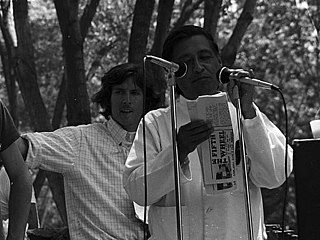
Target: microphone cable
(275, 88)
(285, 158)
(286, 186)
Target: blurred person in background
(33, 220)
(19, 176)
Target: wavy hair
(116, 76)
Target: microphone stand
(172, 85)
(244, 165)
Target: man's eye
(136, 93)
(117, 92)
(206, 57)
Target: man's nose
(126, 98)
(197, 66)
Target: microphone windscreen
(223, 75)
(182, 71)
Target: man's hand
(246, 92)
(190, 136)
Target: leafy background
(280, 45)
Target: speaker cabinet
(306, 167)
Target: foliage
(48, 51)
(108, 39)
(281, 40)
(105, 46)
(279, 45)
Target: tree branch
(140, 30)
(87, 16)
(186, 12)
(230, 50)
(211, 15)
(165, 9)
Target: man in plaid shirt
(91, 158)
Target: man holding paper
(207, 212)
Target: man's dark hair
(184, 32)
(116, 76)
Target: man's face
(202, 66)
(127, 104)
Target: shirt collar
(118, 133)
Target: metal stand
(244, 166)
(171, 83)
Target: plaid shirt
(91, 159)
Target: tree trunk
(96, 63)
(60, 104)
(165, 9)
(211, 15)
(27, 78)
(56, 184)
(229, 51)
(85, 23)
(140, 30)
(187, 10)
(87, 16)
(25, 69)
(78, 110)
(7, 52)
(10, 82)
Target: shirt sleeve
(266, 147)
(159, 166)
(8, 131)
(54, 151)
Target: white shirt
(91, 159)
(219, 216)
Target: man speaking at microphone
(204, 216)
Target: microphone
(179, 69)
(223, 75)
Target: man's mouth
(201, 79)
(126, 110)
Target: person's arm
(243, 91)
(265, 143)
(266, 146)
(159, 162)
(190, 136)
(55, 151)
(20, 193)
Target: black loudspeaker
(306, 167)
